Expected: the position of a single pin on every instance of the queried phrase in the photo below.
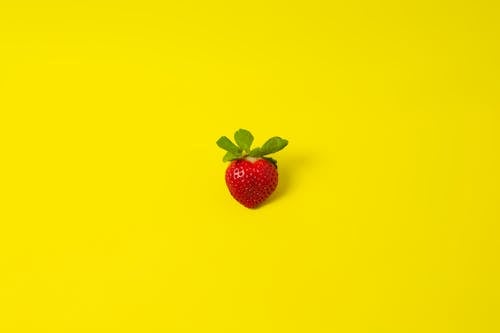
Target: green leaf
(230, 156)
(244, 139)
(273, 161)
(273, 145)
(227, 145)
(256, 152)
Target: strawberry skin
(251, 181)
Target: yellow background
(114, 215)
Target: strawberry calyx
(243, 147)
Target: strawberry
(251, 177)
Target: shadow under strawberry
(290, 168)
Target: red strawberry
(251, 182)
(251, 177)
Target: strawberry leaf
(229, 146)
(230, 157)
(244, 139)
(273, 161)
(256, 152)
(273, 145)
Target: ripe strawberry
(251, 177)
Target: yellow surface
(114, 215)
